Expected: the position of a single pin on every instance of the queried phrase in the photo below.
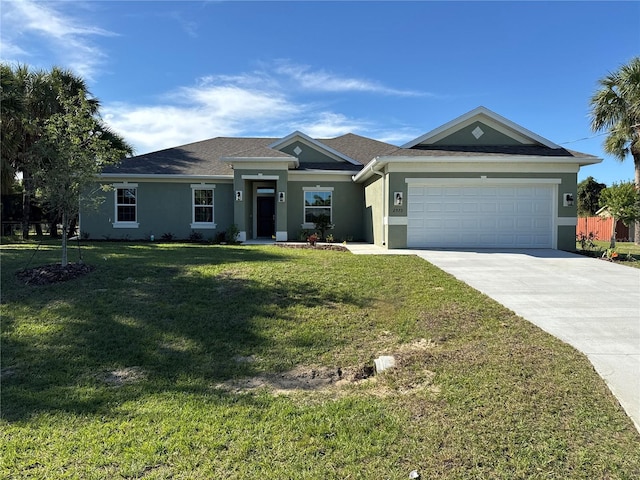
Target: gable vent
(477, 132)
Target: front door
(266, 217)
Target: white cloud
(258, 103)
(330, 124)
(197, 113)
(322, 81)
(67, 40)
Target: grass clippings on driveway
(194, 361)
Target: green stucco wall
(347, 209)
(465, 137)
(308, 154)
(162, 208)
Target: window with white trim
(317, 201)
(202, 206)
(126, 206)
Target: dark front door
(266, 221)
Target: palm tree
(615, 107)
(11, 112)
(36, 96)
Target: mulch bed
(54, 273)
(323, 246)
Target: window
(126, 206)
(317, 202)
(202, 208)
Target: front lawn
(197, 361)
(628, 253)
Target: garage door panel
(480, 216)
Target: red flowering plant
(312, 239)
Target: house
(478, 181)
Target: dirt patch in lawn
(123, 376)
(53, 273)
(409, 375)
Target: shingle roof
(210, 157)
(485, 150)
(360, 149)
(199, 158)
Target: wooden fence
(601, 228)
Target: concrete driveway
(590, 304)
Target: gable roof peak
(318, 144)
(477, 114)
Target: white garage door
(503, 216)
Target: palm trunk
(636, 229)
(27, 196)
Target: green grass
(136, 371)
(629, 252)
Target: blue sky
(169, 73)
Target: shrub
(232, 233)
(196, 237)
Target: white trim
(567, 221)
(320, 176)
(281, 236)
(507, 164)
(482, 181)
(126, 185)
(160, 177)
(260, 177)
(554, 216)
(272, 163)
(317, 188)
(443, 167)
(126, 224)
(396, 220)
(510, 159)
(203, 225)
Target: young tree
(589, 196)
(623, 203)
(615, 107)
(29, 98)
(70, 152)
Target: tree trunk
(27, 195)
(636, 229)
(53, 229)
(65, 259)
(72, 226)
(612, 244)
